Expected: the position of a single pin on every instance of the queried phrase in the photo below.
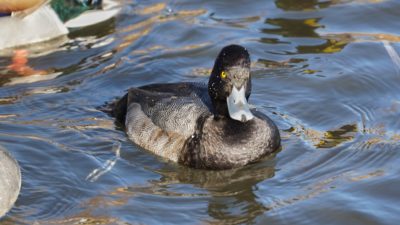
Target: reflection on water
(303, 28)
(293, 5)
(293, 27)
(330, 46)
(230, 193)
(325, 71)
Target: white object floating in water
(91, 17)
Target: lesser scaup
(201, 126)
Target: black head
(230, 83)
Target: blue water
(327, 72)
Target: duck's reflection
(231, 192)
(230, 195)
(233, 199)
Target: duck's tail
(117, 109)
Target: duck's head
(230, 83)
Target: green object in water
(68, 9)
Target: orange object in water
(19, 64)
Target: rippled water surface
(327, 72)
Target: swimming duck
(10, 181)
(27, 22)
(198, 125)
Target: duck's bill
(237, 105)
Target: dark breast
(225, 143)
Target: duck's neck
(220, 109)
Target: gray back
(173, 107)
(161, 117)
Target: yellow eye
(223, 75)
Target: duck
(200, 125)
(32, 21)
(10, 181)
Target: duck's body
(183, 123)
(10, 181)
(43, 23)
